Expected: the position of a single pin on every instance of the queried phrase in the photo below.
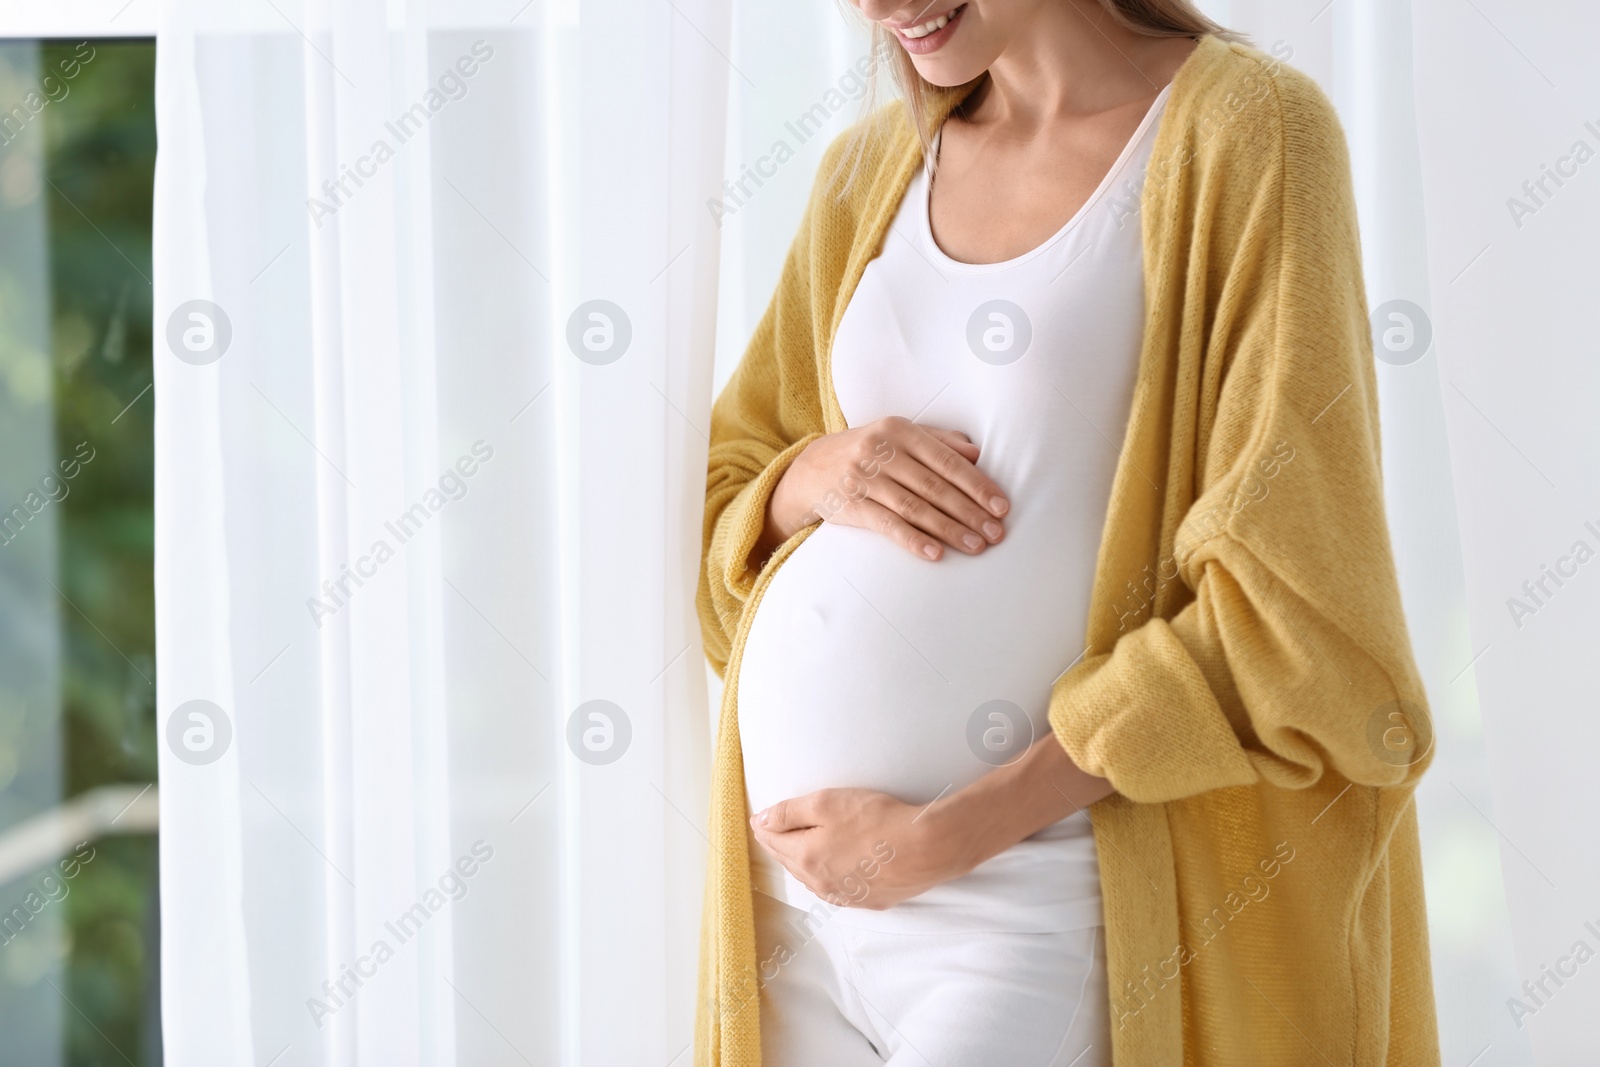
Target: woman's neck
(1074, 61)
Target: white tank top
(867, 666)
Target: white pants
(836, 996)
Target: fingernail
(992, 528)
(759, 818)
(997, 504)
(931, 551)
(972, 541)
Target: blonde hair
(1153, 18)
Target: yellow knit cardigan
(1248, 686)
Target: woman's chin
(947, 72)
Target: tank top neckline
(923, 190)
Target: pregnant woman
(1069, 712)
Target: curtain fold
(433, 367)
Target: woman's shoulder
(1245, 109)
(854, 160)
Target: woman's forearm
(1013, 802)
(782, 519)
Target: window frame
(32, 20)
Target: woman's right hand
(915, 484)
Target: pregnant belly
(866, 666)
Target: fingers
(796, 813)
(871, 515)
(786, 846)
(792, 856)
(938, 455)
(794, 851)
(927, 500)
(917, 485)
(780, 845)
(956, 440)
(933, 495)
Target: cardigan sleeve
(770, 409)
(1289, 657)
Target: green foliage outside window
(80, 984)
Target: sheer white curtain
(437, 292)
(430, 444)
(1506, 97)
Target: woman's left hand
(857, 848)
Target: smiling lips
(930, 36)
